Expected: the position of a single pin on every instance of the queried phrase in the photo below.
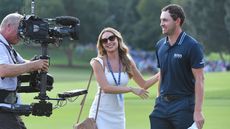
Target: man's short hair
(176, 11)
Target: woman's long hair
(122, 50)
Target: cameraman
(12, 65)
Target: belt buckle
(166, 98)
(169, 98)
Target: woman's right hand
(140, 92)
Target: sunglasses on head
(110, 38)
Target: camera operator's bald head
(9, 27)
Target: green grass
(216, 105)
(57, 54)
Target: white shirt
(7, 83)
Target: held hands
(140, 92)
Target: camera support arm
(42, 95)
(43, 107)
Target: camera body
(48, 30)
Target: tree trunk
(69, 54)
(222, 57)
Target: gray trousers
(11, 121)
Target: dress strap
(99, 60)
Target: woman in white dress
(112, 69)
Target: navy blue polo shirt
(176, 63)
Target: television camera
(44, 31)
(41, 30)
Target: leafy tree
(122, 15)
(7, 7)
(208, 19)
(44, 8)
(90, 13)
(147, 30)
(227, 20)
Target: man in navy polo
(181, 87)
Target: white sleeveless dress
(111, 114)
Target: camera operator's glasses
(110, 38)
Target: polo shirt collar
(179, 40)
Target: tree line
(138, 20)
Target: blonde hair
(122, 50)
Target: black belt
(8, 97)
(17, 109)
(169, 98)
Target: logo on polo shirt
(177, 55)
(202, 61)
